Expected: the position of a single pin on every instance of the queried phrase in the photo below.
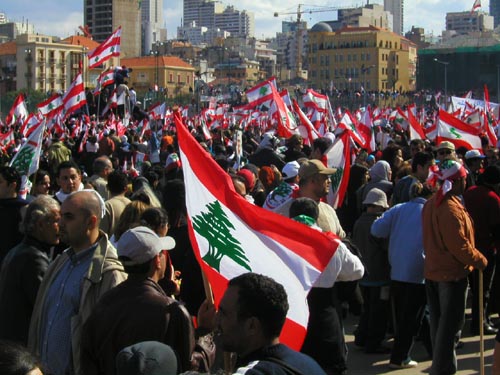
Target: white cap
(141, 244)
(291, 169)
(474, 154)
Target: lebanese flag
(106, 50)
(231, 236)
(338, 156)
(306, 128)
(475, 6)
(263, 92)
(321, 103)
(366, 129)
(74, 98)
(106, 78)
(349, 123)
(28, 157)
(29, 125)
(6, 139)
(18, 112)
(416, 130)
(451, 129)
(51, 105)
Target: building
(495, 11)
(8, 63)
(237, 71)
(201, 12)
(10, 30)
(46, 65)
(369, 15)
(170, 74)
(417, 35)
(466, 22)
(467, 61)
(104, 16)
(363, 57)
(238, 23)
(152, 22)
(396, 7)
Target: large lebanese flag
(263, 92)
(232, 236)
(49, 106)
(451, 129)
(18, 111)
(106, 50)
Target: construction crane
(298, 13)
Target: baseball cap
(473, 154)
(446, 145)
(291, 169)
(314, 166)
(141, 244)
(146, 358)
(376, 197)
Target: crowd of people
(93, 257)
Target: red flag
(18, 112)
(231, 236)
(451, 129)
(74, 98)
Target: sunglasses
(445, 152)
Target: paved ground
(360, 363)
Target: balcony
(52, 61)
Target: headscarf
(380, 171)
(449, 171)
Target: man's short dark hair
(100, 164)
(261, 297)
(420, 158)
(11, 175)
(67, 165)
(304, 206)
(117, 182)
(322, 144)
(417, 142)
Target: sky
(62, 18)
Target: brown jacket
(450, 252)
(105, 272)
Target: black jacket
(10, 218)
(136, 310)
(20, 277)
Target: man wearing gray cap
(139, 310)
(315, 183)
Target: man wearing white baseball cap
(286, 189)
(140, 310)
(474, 163)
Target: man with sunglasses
(446, 151)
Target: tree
(215, 226)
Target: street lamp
(445, 64)
(365, 70)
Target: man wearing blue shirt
(73, 284)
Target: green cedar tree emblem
(96, 59)
(216, 228)
(112, 49)
(336, 178)
(263, 91)
(454, 132)
(23, 161)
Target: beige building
(44, 63)
(104, 16)
(172, 75)
(363, 57)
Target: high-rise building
(495, 11)
(202, 12)
(152, 21)
(396, 7)
(368, 15)
(238, 23)
(104, 16)
(466, 22)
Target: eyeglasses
(445, 152)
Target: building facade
(201, 12)
(152, 24)
(396, 7)
(238, 23)
(466, 22)
(467, 61)
(104, 16)
(369, 15)
(170, 74)
(495, 11)
(366, 58)
(43, 64)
